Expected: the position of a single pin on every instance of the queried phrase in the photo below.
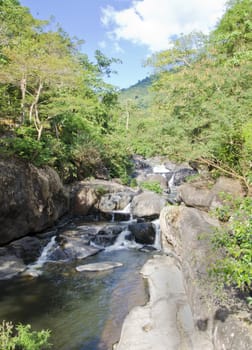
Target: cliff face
(31, 199)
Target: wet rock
(107, 235)
(28, 249)
(103, 266)
(147, 205)
(58, 255)
(10, 265)
(144, 233)
(76, 248)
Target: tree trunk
(23, 83)
(34, 113)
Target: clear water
(84, 310)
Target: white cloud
(153, 22)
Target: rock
(84, 200)
(10, 265)
(31, 199)
(108, 235)
(159, 179)
(103, 266)
(193, 196)
(28, 249)
(166, 321)
(206, 196)
(86, 195)
(186, 235)
(225, 185)
(76, 248)
(144, 233)
(115, 201)
(181, 175)
(147, 205)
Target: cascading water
(35, 268)
(157, 244)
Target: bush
(235, 242)
(22, 337)
(153, 186)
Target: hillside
(139, 93)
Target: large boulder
(108, 235)
(87, 196)
(195, 196)
(143, 233)
(147, 205)
(115, 201)
(226, 185)
(186, 237)
(31, 199)
(157, 178)
(203, 195)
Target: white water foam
(157, 243)
(160, 169)
(122, 243)
(34, 269)
(125, 211)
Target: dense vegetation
(54, 105)
(202, 103)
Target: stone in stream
(10, 265)
(103, 266)
(108, 235)
(144, 232)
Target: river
(83, 310)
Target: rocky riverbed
(183, 311)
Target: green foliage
(235, 243)
(201, 106)
(55, 108)
(153, 186)
(22, 337)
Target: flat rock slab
(166, 321)
(103, 266)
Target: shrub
(153, 186)
(235, 242)
(22, 337)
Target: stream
(83, 310)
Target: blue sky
(128, 29)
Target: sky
(130, 30)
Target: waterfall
(123, 243)
(126, 211)
(157, 243)
(33, 269)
